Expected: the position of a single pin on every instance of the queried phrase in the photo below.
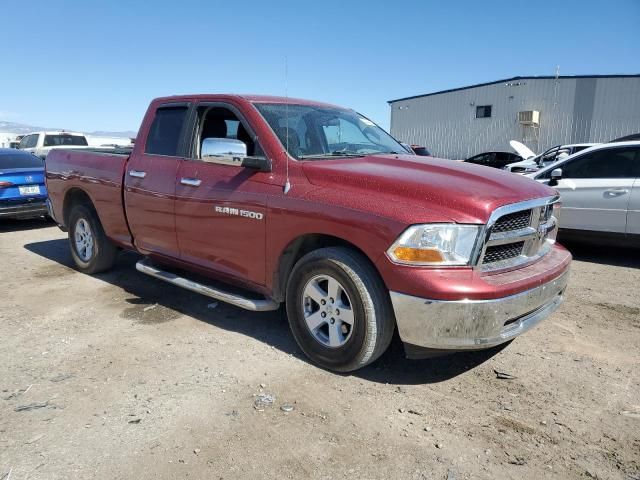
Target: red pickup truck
(259, 201)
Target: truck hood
(429, 187)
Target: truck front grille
(517, 234)
(513, 221)
(500, 253)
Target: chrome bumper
(474, 324)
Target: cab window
(165, 131)
(223, 123)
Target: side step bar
(256, 305)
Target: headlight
(435, 244)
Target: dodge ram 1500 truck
(259, 201)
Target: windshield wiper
(331, 155)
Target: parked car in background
(494, 159)
(315, 206)
(41, 143)
(553, 154)
(421, 151)
(22, 189)
(600, 192)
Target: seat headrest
(214, 128)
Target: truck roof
(212, 97)
(57, 132)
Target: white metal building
(538, 111)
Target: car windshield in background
(12, 160)
(317, 132)
(57, 140)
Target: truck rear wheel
(91, 250)
(339, 309)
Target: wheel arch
(299, 247)
(74, 196)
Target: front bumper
(475, 324)
(23, 210)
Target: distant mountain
(22, 129)
(123, 134)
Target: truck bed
(97, 171)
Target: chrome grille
(517, 234)
(513, 221)
(498, 253)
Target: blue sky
(95, 65)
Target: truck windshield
(62, 139)
(316, 132)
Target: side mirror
(556, 175)
(229, 151)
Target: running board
(256, 305)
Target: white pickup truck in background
(41, 143)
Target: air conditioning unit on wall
(529, 117)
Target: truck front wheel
(339, 309)
(91, 250)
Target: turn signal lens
(413, 255)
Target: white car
(40, 143)
(600, 191)
(533, 163)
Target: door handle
(137, 173)
(615, 192)
(192, 182)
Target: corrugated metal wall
(572, 110)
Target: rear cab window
(166, 131)
(65, 139)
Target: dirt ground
(120, 376)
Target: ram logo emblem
(239, 212)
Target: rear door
(150, 180)
(596, 189)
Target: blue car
(23, 193)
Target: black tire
(103, 252)
(373, 321)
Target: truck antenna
(287, 183)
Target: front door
(220, 208)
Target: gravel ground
(120, 376)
